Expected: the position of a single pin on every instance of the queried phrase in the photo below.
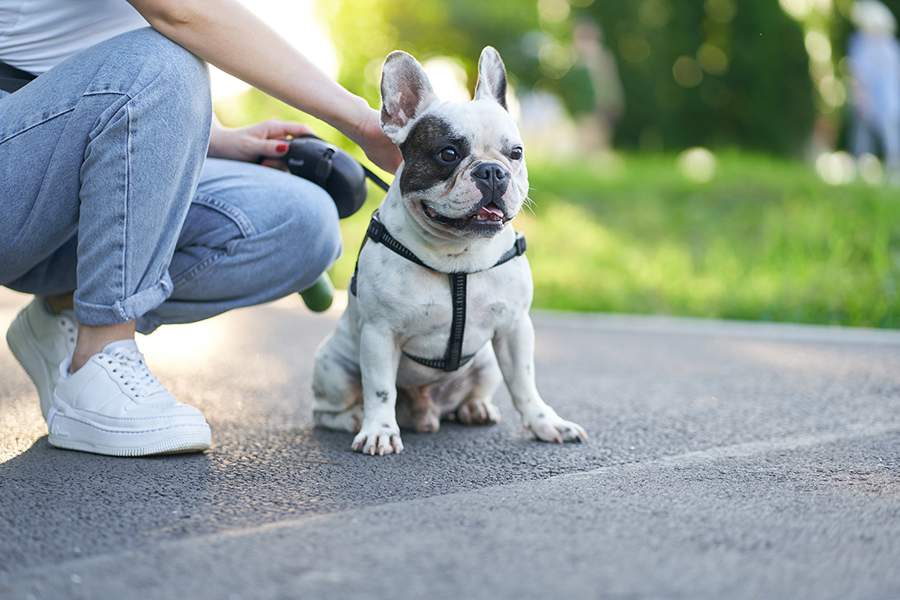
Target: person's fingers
(268, 148)
(394, 159)
(274, 163)
(297, 129)
(387, 157)
(283, 129)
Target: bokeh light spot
(835, 168)
(713, 59)
(687, 72)
(697, 165)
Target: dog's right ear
(405, 94)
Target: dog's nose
(492, 173)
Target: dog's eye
(448, 155)
(516, 153)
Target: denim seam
(193, 272)
(240, 220)
(126, 198)
(34, 215)
(49, 116)
(238, 217)
(108, 93)
(43, 119)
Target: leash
(375, 178)
(453, 357)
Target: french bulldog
(462, 181)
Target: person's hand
(380, 150)
(267, 141)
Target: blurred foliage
(713, 72)
(709, 73)
(764, 240)
(364, 31)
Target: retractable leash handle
(344, 178)
(332, 169)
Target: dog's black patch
(422, 167)
(383, 395)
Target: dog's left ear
(491, 76)
(405, 94)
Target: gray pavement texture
(726, 460)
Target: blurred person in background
(126, 206)
(874, 59)
(596, 123)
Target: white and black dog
(438, 316)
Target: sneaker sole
(19, 338)
(75, 432)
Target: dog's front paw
(547, 426)
(378, 438)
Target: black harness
(453, 357)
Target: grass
(765, 239)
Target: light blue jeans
(105, 190)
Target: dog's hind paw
(478, 412)
(378, 439)
(427, 422)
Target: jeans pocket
(209, 233)
(237, 216)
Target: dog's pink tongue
(491, 211)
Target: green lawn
(764, 240)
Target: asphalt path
(726, 460)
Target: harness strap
(378, 233)
(518, 249)
(453, 357)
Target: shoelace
(129, 367)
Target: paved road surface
(726, 461)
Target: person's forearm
(227, 35)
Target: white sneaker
(41, 341)
(114, 405)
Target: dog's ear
(405, 94)
(491, 76)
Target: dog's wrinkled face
(464, 169)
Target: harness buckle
(376, 230)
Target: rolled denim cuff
(127, 309)
(146, 324)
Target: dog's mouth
(487, 216)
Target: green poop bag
(319, 296)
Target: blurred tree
(703, 72)
(712, 73)
(364, 31)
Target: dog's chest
(494, 299)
